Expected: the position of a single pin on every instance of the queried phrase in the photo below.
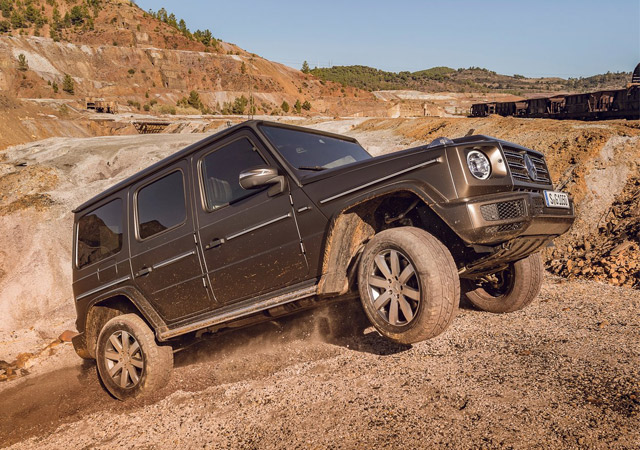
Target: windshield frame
(304, 174)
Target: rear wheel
(509, 290)
(130, 363)
(408, 284)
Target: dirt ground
(563, 373)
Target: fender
(351, 227)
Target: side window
(161, 205)
(221, 171)
(100, 233)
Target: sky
(541, 38)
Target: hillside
(71, 49)
(473, 79)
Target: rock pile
(611, 255)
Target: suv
(263, 220)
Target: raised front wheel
(408, 284)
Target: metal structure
(600, 105)
(101, 105)
(150, 127)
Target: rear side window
(100, 233)
(161, 205)
(221, 172)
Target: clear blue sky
(566, 38)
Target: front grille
(519, 172)
(503, 210)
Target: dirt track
(564, 373)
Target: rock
(67, 335)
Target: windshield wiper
(314, 168)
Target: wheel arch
(126, 300)
(354, 225)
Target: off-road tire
(157, 360)
(525, 280)
(436, 279)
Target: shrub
(54, 85)
(285, 106)
(131, 71)
(306, 105)
(146, 107)
(298, 106)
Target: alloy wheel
(394, 288)
(124, 359)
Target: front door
(165, 261)
(250, 240)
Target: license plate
(555, 199)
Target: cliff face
(143, 74)
(112, 48)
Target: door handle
(144, 271)
(214, 243)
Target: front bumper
(490, 220)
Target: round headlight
(478, 164)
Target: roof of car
(252, 124)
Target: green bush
(285, 106)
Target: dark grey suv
(264, 220)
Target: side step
(239, 310)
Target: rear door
(250, 240)
(165, 261)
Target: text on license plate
(555, 199)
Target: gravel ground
(563, 373)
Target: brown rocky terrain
(543, 377)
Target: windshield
(313, 152)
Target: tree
(54, 85)
(285, 106)
(243, 68)
(17, 21)
(23, 65)
(6, 6)
(305, 67)
(68, 84)
(5, 26)
(298, 106)
(306, 105)
(77, 15)
(239, 105)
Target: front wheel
(508, 290)
(408, 285)
(130, 363)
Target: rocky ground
(562, 373)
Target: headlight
(478, 164)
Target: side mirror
(257, 177)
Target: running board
(238, 310)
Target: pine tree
(298, 106)
(305, 67)
(23, 65)
(68, 84)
